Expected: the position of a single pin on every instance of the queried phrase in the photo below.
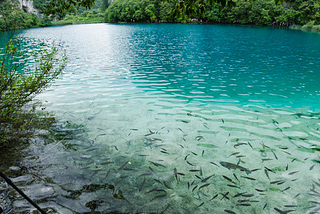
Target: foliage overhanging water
(179, 119)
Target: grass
(310, 26)
(84, 18)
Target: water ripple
(180, 118)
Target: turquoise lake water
(179, 118)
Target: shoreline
(314, 28)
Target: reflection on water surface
(179, 119)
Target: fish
(260, 190)
(291, 173)
(207, 178)
(214, 197)
(311, 167)
(99, 136)
(151, 169)
(166, 208)
(214, 164)
(247, 195)
(95, 172)
(282, 182)
(145, 174)
(142, 184)
(157, 180)
(198, 177)
(274, 182)
(294, 159)
(282, 212)
(109, 172)
(318, 184)
(239, 144)
(200, 205)
(249, 178)
(204, 185)
(225, 195)
(287, 152)
(194, 188)
(199, 137)
(246, 205)
(235, 153)
(239, 194)
(274, 154)
(159, 196)
(202, 153)
(265, 206)
(266, 159)
(148, 134)
(185, 158)
(120, 168)
(106, 163)
(229, 211)
(314, 202)
(118, 182)
(157, 190)
(194, 153)
(240, 156)
(156, 164)
(250, 145)
(238, 162)
(128, 169)
(296, 195)
(190, 163)
(166, 185)
(175, 172)
(243, 201)
(234, 166)
(264, 146)
(286, 189)
(269, 169)
(230, 185)
(194, 170)
(236, 177)
(152, 190)
(229, 179)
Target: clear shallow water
(148, 103)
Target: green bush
(18, 88)
(316, 27)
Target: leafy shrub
(19, 87)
